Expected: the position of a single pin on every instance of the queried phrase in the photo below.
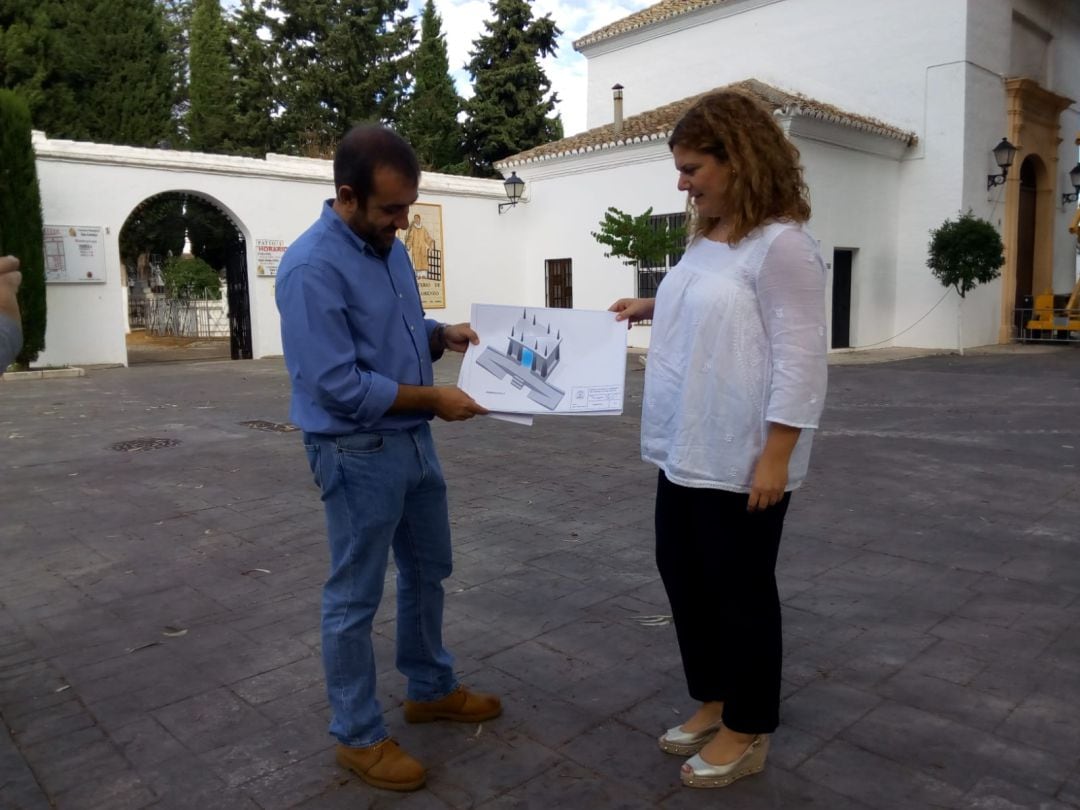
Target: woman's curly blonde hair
(766, 178)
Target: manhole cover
(137, 445)
(273, 427)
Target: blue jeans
(381, 491)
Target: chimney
(616, 94)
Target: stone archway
(178, 326)
(1030, 202)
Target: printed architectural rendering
(532, 353)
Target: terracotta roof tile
(657, 124)
(647, 16)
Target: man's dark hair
(369, 145)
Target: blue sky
(463, 21)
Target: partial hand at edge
(633, 310)
(10, 279)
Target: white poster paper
(542, 360)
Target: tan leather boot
(383, 765)
(461, 706)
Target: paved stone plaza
(159, 608)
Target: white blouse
(738, 340)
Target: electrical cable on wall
(908, 329)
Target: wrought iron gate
(236, 278)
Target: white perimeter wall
(277, 198)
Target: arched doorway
(1030, 197)
(184, 258)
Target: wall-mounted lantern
(1074, 180)
(514, 186)
(1004, 153)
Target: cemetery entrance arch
(174, 223)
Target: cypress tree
(130, 94)
(251, 60)
(510, 110)
(211, 232)
(21, 226)
(89, 71)
(430, 119)
(177, 25)
(210, 121)
(341, 62)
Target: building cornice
(656, 126)
(661, 19)
(575, 163)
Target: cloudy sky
(463, 21)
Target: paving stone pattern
(159, 607)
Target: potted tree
(965, 253)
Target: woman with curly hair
(734, 387)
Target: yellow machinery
(1065, 320)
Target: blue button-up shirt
(352, 328)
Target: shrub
(187, 277)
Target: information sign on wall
(424, 241)
(268, 253)
(74, 253)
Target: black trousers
(718, 564)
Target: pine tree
(251, 59)
(21, 227)
(430, 119)
(210, 121)
(342, 62)
(510, 110)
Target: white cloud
(463, 22)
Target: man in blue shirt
(359, 353)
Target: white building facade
(954, 75)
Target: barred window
(649, 278)
(560, 283)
